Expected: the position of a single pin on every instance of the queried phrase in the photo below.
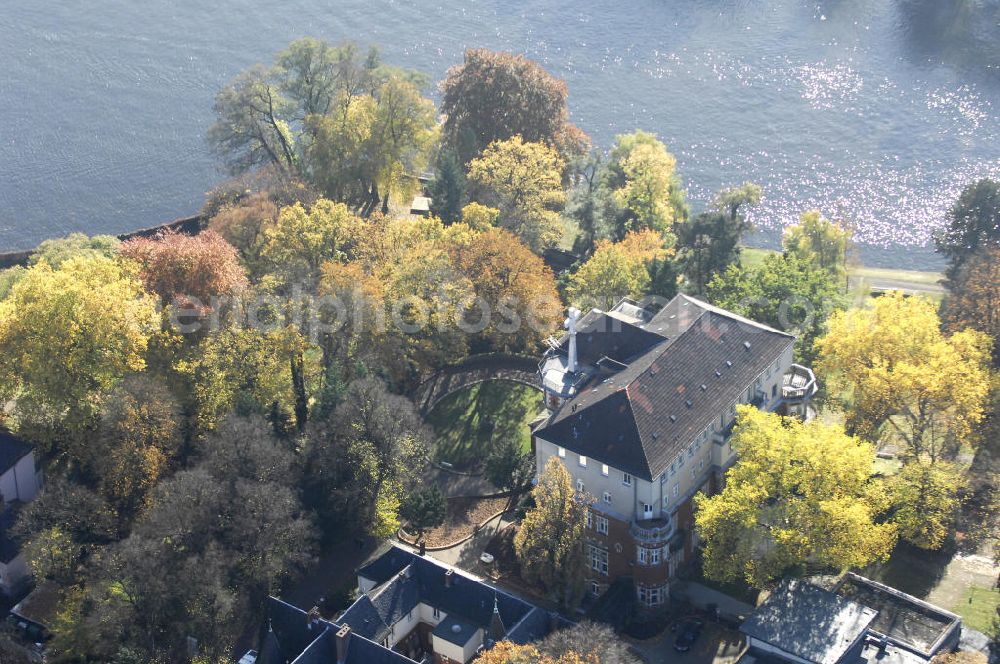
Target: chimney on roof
(448, 576)
(570, 324)
(423, 548)
(312, 617)
(343, 636)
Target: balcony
(652, 531)
(799, 384)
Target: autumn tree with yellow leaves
(524, 182)
(617, 269)
(799, 493)
(550, 543)
(904, 379)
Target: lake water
(875, 110)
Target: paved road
(716, 645)
(466, 555)
(896, 284)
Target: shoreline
(190, 225)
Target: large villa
(641, 410)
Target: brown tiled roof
(641, 417)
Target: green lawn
(917, 279)
(979, 607)
(466, 423)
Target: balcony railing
(798, 384)
(652, 530)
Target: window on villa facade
(604, 469)
(595, 588)
(677, 490)
(590, 519)
(562, 452)
(602, 525)
(579, 486)
(607, 497)
(598, 559)
(774, 390)
(701, 465)
(651, 596)
(627, 479)
(643, 555)
(437, 613)
(654, 556)
(583, 461)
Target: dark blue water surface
(876, 110)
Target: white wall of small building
(20, 482)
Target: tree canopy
(784, 292)
(799, 493)
(494, 96)
(617, 270)
(906, 379)
(522, 180)
(973, 222)
(70, 335)
(549, 544)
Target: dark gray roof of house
(365, 619)
(386, 566)
(286, 633)
(12, 450)
(288, 636)
(422, 580)
(454, 630)
(640, 418)
(534, 626)
(809, 622)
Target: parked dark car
(687, 634)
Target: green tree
(448, 195)
(973, 298)
(494, 96)
(253, 126)
(640, 188)
(509, 467)
(904, 378)
(522, 180)
(550, 542)
(799, 493)
(57, 251)
(70, 335)
(973, 222)
(301, 240)
(819, 241)
(784, 292)
(617, 270)
(424, 509)
(52, 555)
(925, 502)
(358, 461)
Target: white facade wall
(13, 574)
(21, 481)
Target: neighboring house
(411, 609)
(641, 409)
(19, 483)
(858, 621)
